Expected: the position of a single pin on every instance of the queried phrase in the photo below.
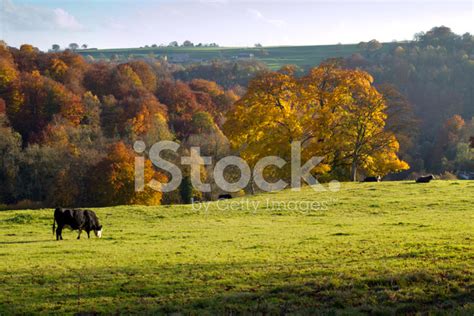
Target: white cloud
(19, 17)
(65, 20)
(259, 16)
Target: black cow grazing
(425, 179)
(76, 220)
(225, 197)
(373, 179)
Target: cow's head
(98, 231)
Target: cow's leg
(79, 236)
(59, 232)
(88, 233)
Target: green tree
(186, 190)
(10, 150)
(73, 46)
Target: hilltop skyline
(115, 24)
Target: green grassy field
(274, 57)
(391, 247)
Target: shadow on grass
(25, 242)
(385, 295)
(229, 289)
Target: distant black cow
(225, 196)
(373, 179)
(76, 220)
(425, 179)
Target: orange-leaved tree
(112, 180)
(42, 99)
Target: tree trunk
(354, 170)
(252, 188)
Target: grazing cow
(373, 179)
(425, 179)
(76, 220)
(225, 196)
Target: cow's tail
(54, 224)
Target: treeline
(67, 126)
(435, 76)
(229, 74)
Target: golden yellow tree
(362, 141)
(335, 113)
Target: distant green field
(379, 248)
(274, 57)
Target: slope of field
(274, 57)
(394, 247)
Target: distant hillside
(273, 57)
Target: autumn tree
(92, 109)
(445, 145)
(98, 79)
(112, 180)
(124, 81)
(213, 97)
(181, 103)
(10, 150)
(42, 98)
(365, 143)
(145, 117)
(9, 82)
(270, 117)
(401, 121)
(26, 58)
(145, 73)
(334, 113)
(207, 136)
(68, 152)
(71, 76)
(452, 129)
(58, 69)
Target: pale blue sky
(127, 23)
